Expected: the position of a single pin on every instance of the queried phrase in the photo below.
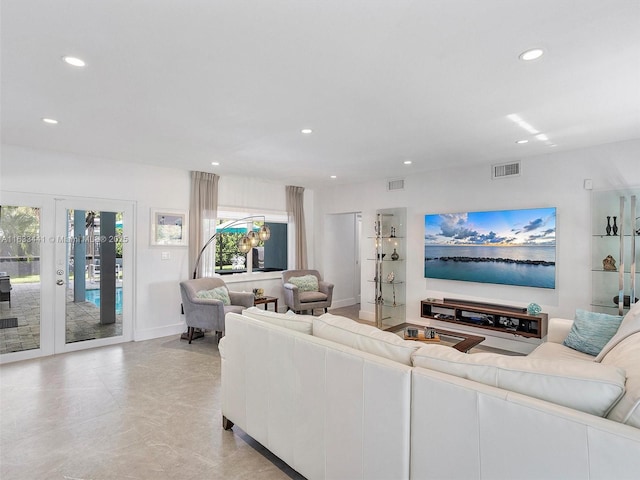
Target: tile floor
(139, 410)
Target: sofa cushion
(218, 293)
(630, 324)
(307, 297)
(591, 331)
(305, 283)
(299, 323)
(364, 337)
(626, 354)
(587, 386)
(557, 351)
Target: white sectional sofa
(336, 399)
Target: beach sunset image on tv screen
(510, 247)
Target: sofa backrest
(626, 355)
(586, 386)
(291, 320)
(193, 286)
(363, 337)
(630, 324)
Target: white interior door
(341, 259)
(93, 273)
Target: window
(268, 256)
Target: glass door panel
(92, 274)
(20, 286)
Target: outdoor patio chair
(5, 289)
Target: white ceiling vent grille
(504, 170)
(397, 184)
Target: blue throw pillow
(218, 293)
(591, 331)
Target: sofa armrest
(558, 329)
(291, 295)
(326, 288)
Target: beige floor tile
(140, 410)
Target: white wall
(554, 180)
(157, 296)
(551, 180)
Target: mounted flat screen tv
(508, 247)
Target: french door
(93, 273)
(67, 265)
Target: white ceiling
(184, 83)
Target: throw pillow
(591, 331)
(306, 283)
(218, 293)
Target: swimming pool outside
(93, 296)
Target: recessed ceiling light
(333, 176)
(215, 164)
(407, 162)
(75, 61)
(531, 54)
(522, 141)
(306, 131)
(51, 121)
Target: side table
(267, 300)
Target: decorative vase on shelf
(615, 227)
(609, 264)
(394, 255)
(533, 309)
(608, 229)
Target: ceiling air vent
(504, 170)
(395, 184)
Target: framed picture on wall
(169, 228)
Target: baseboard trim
(345, 302)
(151, 333)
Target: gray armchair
(207, 313)
(298, 300)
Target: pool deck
(82, 322)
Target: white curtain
(295, 210)
(202, 220)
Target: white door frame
(61, 265)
